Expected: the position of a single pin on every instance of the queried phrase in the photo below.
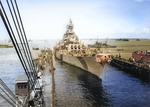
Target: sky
(47, 19)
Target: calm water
(77, 88)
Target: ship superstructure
(70, 43)
(72, 51)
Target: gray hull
(85, 63)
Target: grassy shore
(6, 46)
(127, 47)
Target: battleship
(72, 51)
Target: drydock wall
(132, 68)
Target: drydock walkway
(43, 59)
(47, 86)
(138, 70)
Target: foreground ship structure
(72, 51)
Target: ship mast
(70, 26)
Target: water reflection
(78, 88)
(94, 93)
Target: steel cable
(8, 90)
(7, 100)
(26, 61)
(24, 35)
(29, 53)
(7, 95)
(14, 41)
(26, 57)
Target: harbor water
(78, 88)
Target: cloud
(146, 30)
(141, 0)
(47, 20)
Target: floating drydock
(72, 51)
(135, 69)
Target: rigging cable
(14, 41)
(28, 63)
(6, 88)
(24, 61)
(7, 95)
(10, 94)
(26, 43)
(26, 39)
(26, 58)
(7, 100)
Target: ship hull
(86, 63)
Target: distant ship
(30, 40)
(101, 45)
(72, 51)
